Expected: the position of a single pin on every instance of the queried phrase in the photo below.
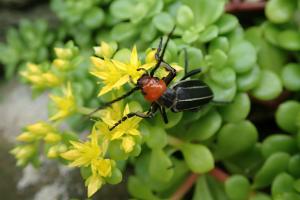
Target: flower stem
(87, 111)
(84, 110)
(219, 174)
(185, 187)
(238, 6)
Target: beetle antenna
(162, 53)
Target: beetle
(185, 95)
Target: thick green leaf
(220, 93)
(157, 138)
(249, 80)
(280, 11)
(163, 22)
(220, 43)
(198, 157)
(294, 164)
(291, 76)
(236, 110)
(205, 127)
(185, 16)
(285, 116)
(122, 9)
(289, 39)
(139, 190)
(94, 18)
(237, 187)
(282, 183)
(227, 23)
(224, 77)
(160, 163)
(242, 56)
(278, 143)
(275, 164)
(207, 188)
(269, 86)
(206, 12)
(236, 138)
(208, 34)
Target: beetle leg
(160, 58)
(163, 114)
(188, 74)
(186, 62)
(149, 114)
(171, 75)
(158, 49)
(115, 100)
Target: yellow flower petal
(134, 60)
(133, 132)
(105, 167)
(150, 57)
(93, 183)
(97, 62)
(70, 155)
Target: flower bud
(26, 137)
(52, 137)
(63, 53)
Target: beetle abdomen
(191, 95)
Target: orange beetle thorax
(153, 88)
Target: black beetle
(185, 95)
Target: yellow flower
(131, 68)
(83, 154)
(105, 50)
(93, 184)
(62, 65)
(26, 137)
(38, 78)
(52, 137)
(23, 153)
(35, 132)
(128, 144)
(113, 115)
(103, 167)
(109, 73)
(55, 150)
(128, 127)
(100, 168)
(63, 53)
(65, 105)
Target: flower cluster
(99, 155)
(31, 138)
(114, 73)
(40, 79)
(65, 105)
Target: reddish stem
(185, 187)
(192, 178)
(219, 174)
(242, 7)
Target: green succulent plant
(29, 43)
(222, 148)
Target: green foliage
(244, 66)
(31, 42)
